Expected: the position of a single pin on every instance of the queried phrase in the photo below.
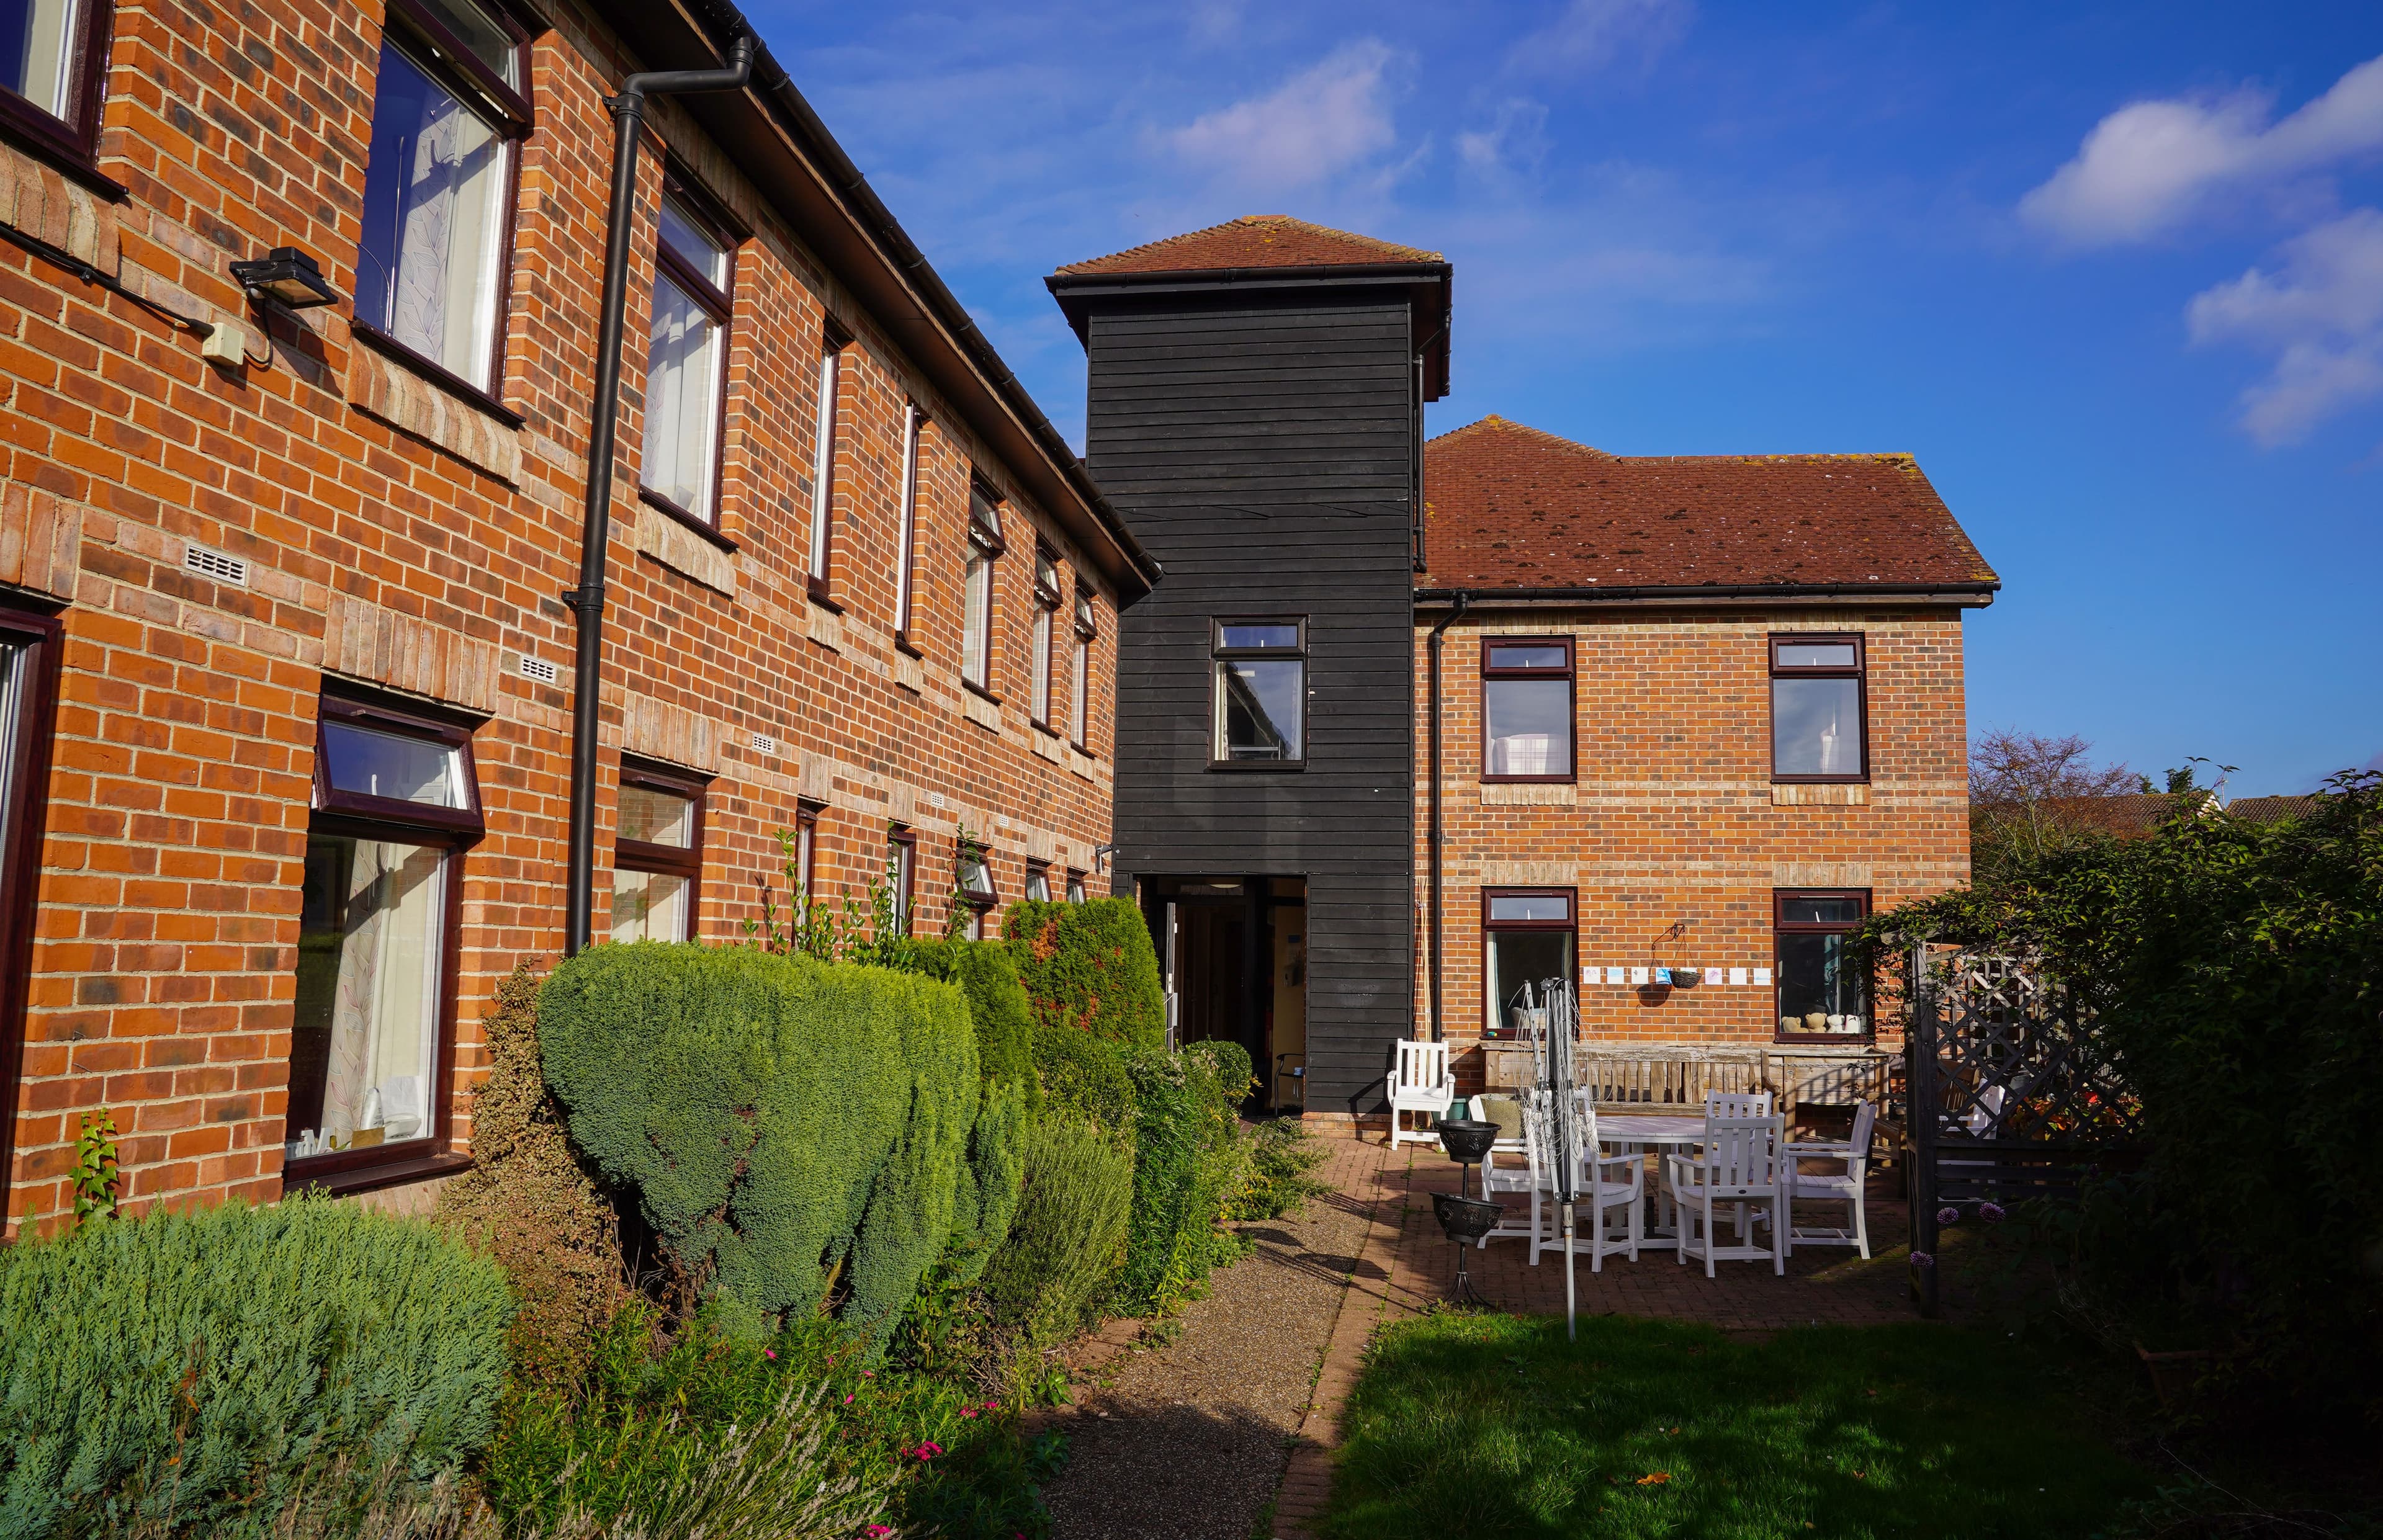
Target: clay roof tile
(1252, 241)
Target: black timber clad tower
(1255, 412)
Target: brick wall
(1673, 818)
(401, 536)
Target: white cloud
(2148, 168)
(1517, 136)
(1591, 34)
(2320, 313)
(1316, 124)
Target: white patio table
(1637, 1135)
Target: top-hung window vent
(214, 564)
(539, 669)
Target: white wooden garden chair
(1600, 1184)
(1420, 1082)
(1739, 1167)
(1506, 1172)
(1849, 1161)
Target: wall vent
(539, 669)
(764, 745)
(214, 564)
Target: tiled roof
(1252, 241)
(1508, 506)
(2271, 809)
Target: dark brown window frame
(806, 825)
(718, 301)
(1489, 928)
(905, 873)
(1037, 870)
(993, 542)
(1780, 927)
(1047, 619)
(1218, 653)
(667, 860)
(905, 586)
(1078, 881)
(819, 533)
(1858, 672)
(1088, 631)
(70, 141)
(1570, 673)
(450, 61)
(986, 903)
(24, 828)
(357, 816)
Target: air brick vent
(215, 565)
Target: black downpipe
(1464, 601)
(587, 601)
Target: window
(1527, 723)
(823, 544)
(902, 868)
(1080, 713)
(1038, 883)
(396, 800)
(50, 69)
(1047, 621)
(1818, 994)
(906, 569)
(1261, 693)
(1527, 945)
(657, 856)
(430, 273)
(1817, 709)
(973, 888)
(985, 546)
(29, 651)
(806, 817)
(1075, 886)
(687, 361)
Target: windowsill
(819, 595)
(1044, 728)
(1530, 781)
(19, 127)
(654, 500)
(902, 640)
(352, 1171)
(1820, 780)
(1243, 767)
(438, 375)
(979, 691)
(1825, 1039)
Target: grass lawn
(1474, 1426)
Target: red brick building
(285, 659)
(1695, 712)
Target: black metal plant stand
(1466, 1220)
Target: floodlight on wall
(288, 277)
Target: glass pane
(1530, 726)
(682, 400)
(975, 879)
(985, 514)
(427, 271)
(1230, 636)
(1258, 709)
(365, 1037)
(656, 818)
(1038, 886)
(1816, 727)
(1816, 655)
(694, 245)
(482, 34)
(36, 56)
(1075, 889)
(1817, 991)
(975, 613)
(1085, 619)
(1529, 906)
(1046, 574)
(903, 853)
(824, 466)
(1820, 911)
(1041, 665)
(369, 762)
(1080, 709)
(1507, 655)
(1521, 966)
(650, 905)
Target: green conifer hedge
(787, 1125)
(181, 1373)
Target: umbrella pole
(1571, 1332)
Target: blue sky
(2114, 273)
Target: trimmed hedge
(1188, 1162)
(1089, 968)
(788, 1125)
(987, 1194)
(184, 1373)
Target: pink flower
(878, 1531)
(847, 1401)
(928, 1450)
(967, 1411)
(768, 1352)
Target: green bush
(185, 1372)
(1003, 1016)
(1188, 1161)
(1283, 1157)
(987, 1194)
(1069, 1235)
(1089, 968)
(788, 1125)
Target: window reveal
(1818, 991)
(824, 427)
(686, 362)
(1260, 692)
(1528, 943)
(1047, 615)
(985, 547)
(1817, 699)
(657, 856)
(1079, 710)
(1526, 710)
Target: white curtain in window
(445, 243)
(682, 400)
(824, 467)
(976, 614)
(649, 905)
(385, 1014)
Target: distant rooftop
(1253, 241)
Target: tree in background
(2032, 794)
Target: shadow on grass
(1492, 1424)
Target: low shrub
(1188, 1160)
(1068, 1236)
(189, 1374)
(529, 1202)
(1277, 1179)
(788, 1125)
